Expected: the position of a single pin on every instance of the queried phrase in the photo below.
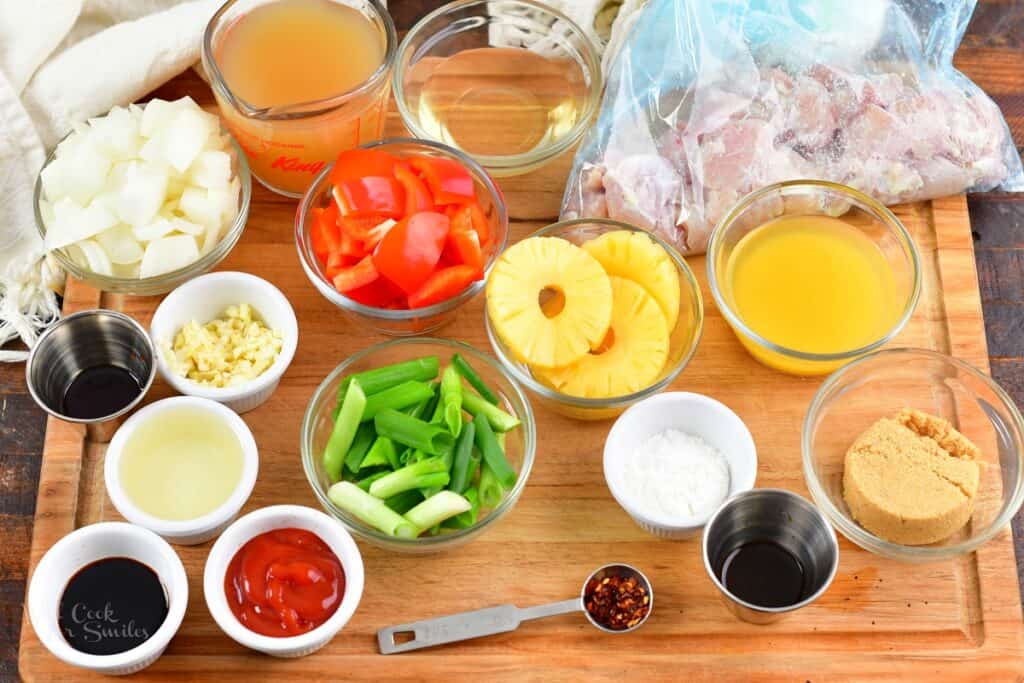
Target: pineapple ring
(637, 257)
(635, 358)
(532, 266)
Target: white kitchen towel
(63, 61)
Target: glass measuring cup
(287, 145)
(504, 618)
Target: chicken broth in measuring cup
(298, 81)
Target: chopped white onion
(120, 244)
(168, 253)
(72, 222)
(137, 192)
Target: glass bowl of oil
(512, 83)
(811, 275)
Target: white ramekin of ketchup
(283, 580)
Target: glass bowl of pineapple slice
(593, 315)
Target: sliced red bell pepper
(353, 164)
(410, 251)
(324, 234)
(381, 293)
(463, 247)
(337, 261)
(370, 195)
(368, 229)
(351, 247)
(471, 217)
(417, 196)
(448, 180)
(353, 277)
(443, 285)
(480, 223)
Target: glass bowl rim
(309, 108)
(527, 424)
(589, 61)
(172, 277)
(614, 401)
(882, 213)
(392, 315)
(861, 536)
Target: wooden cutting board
(880, 620)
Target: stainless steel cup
(780, 517)
(84, 340)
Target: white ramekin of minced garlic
(225, 336)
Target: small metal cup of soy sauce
(92, 368)
(769, 552)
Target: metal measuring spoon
(504, 618)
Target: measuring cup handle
(450, 629)
(551, 609)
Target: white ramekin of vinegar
(182, 467)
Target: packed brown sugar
(911, 478)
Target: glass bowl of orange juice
(811, 274)
(394, 321)
(514, 83)
(298, 81)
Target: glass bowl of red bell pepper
(399, 233)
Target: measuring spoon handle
(466, 625)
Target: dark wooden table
(992, 54)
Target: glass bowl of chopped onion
(325, 408)
(929, 501)
(144, 198)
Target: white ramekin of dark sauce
(89, 545)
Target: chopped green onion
(381, 453)
(447, 457)
(474, 465)
(490, 488)
(499, 419)
(461, 475)
(365, 482)
(364, 438)
(474, 379)
(436, 509)
(387, 376)
(404, 501)
(437, 414)
(344, 430)
(413, 432)
(398, 397)
(468, 518)
(370, 510)
(427, 405)
(492, 453)
(451, 397)
(417, 475)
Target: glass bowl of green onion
(418, 445)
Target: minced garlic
(227, 351)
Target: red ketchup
(284, 582)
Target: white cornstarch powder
(675, 474)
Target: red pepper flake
(617, 602)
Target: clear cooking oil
(496, 101)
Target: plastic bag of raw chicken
(709, 100)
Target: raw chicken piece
(594, 203)
(885, 134)
(643, 190)
(811, 115)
